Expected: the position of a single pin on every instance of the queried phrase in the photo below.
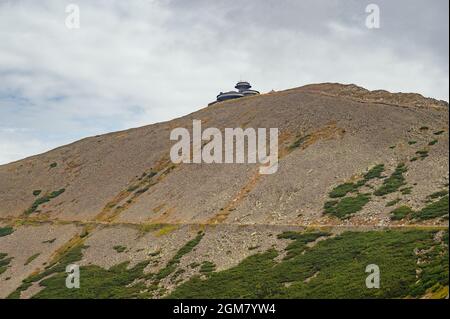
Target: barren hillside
(351, 160)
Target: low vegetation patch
(5, 231)
(346, 206)
(401, 213)
(44, 199)
(433, 142)
(343, 189)
(393, 202)
(439, 132)
(406, 190)
(31, 258)
(98, 283)
(37, 192)
(299, 241)
(4, 262)
(422, 154)
(299, 142)
(166, 229)
(119, 248)
(393, 182)
(374, 172)
(173, 263)
(438, 194)
(207, 267)
(433, 210)
(70, 256)
(336, 268)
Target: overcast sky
(138, 62)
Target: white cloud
(138, 62)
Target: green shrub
(422, 154)
(5, 231)
(132, 188)
(207, 267)
(53, 165)
(4, 262)
(393, 182)
(37, 192)
(299, 142)
(412, 142)
(119, 248)
(152, 174)
(44, 199)
(50, 241)
(401, 212)
(406, 190)
(346, 206)
(433, 210)
(433, 142)
(31, 258)
(299, 241)
(438, 194)
(439, 132)
(343, 189)
(374, 172)
(118, 282)
(337, 268)
(173, 263)
(393, 202)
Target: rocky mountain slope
(351, 160)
